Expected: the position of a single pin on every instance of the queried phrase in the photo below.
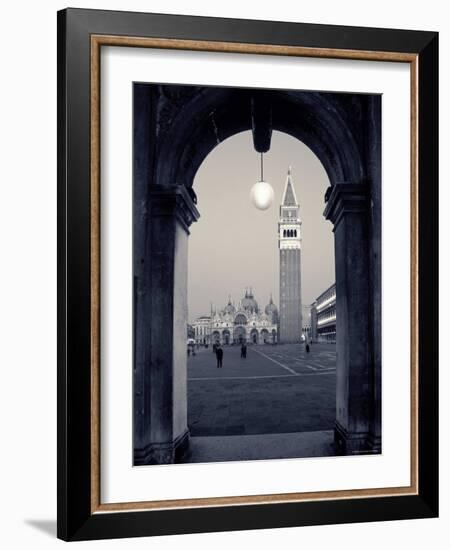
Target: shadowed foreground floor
(261, 447)
(277, 389)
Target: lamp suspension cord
(262, 173)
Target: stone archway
(226, 338)
(240, 319)
(176, 128)
(239, 334)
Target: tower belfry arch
(176, 128)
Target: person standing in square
(219, 356)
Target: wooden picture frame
(81, 35)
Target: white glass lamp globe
(261, 195)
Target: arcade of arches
(175, 127)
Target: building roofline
(325, 291)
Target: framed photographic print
(247, 274)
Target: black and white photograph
(224, 275)
(256, 274)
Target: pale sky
(234, 245)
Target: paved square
(276, 389)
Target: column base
(169, 452)
(375, 443)
(348, 443)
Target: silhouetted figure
(244, 350)
(219, 356)
(307, 348)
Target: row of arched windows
(289, 232)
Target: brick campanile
(289, 243)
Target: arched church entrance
(226, 337)
(177, 128)
(239, 335)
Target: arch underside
(331, 125)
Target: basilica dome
(229, 308)
(249, 302)
(271, 310)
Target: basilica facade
(237, 323)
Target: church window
(240, 320)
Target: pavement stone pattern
(276, 389)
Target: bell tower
(289, 243)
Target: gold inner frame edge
(97, 41)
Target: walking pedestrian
(307, 348)
(219, 356)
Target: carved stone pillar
(347, 208)
(165, 437)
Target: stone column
(347, 209)
(171, 211)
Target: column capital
(174, 200)
(343, 198)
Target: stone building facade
(243, 322)
(323, 316)
(202, 329)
